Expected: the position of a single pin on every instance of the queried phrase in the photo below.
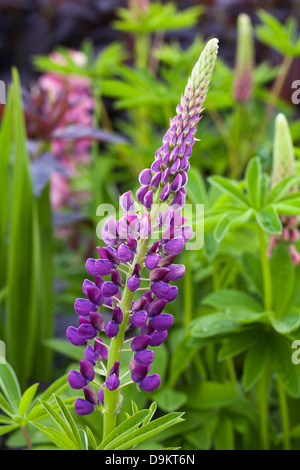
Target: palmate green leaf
(288, 207)
(227, 298)
(152, 408)
(214, 324)
(6, 420)
(288, 323)
(237, 343)
(246, 316)
(283, 278)
(59, 438)
(5, 406)
(280, 349)
(159, 17)
(255, 361)
(27, 398)
(207, 395)
(5, 429)
(268, 219)
(281, 37)
(10, 386)
(124, 428)
(91, 439)
(68, 419)
(64, 421)
(230, 221)
(253, 181)
(145, 432)
(179, 360)
(231, 188)
(282, 189)
(170, 400)
(252, 272)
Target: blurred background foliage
(121, 68)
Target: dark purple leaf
(41, 170)
(75, 132)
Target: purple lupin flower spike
(137, 300)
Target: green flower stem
(266, 272)
(264, 381)
(111, 398)
(26, 435)
(284, 411)
(262, 389)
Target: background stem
(285, 420)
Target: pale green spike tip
(204, 67)
(283, 152)
(245, 44)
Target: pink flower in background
(70, 153)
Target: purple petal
(148, 199)
(144, 357)
(111, 329)
(84, 306)
(138, 318)
(97, 320)
(133, 283)
(150, 383)
(87, 331)
(157, 337)
(103, 267)
(151, 261)
(101, 395)
(174, 246)
(172, 294)
(90, 395)
(160, 289)
(139, 372)
(83, 407)
(176, 272)
(127, 201)
(100, 350)
(89, 354)
(87, 369)
(73, 336)
(115, 369)
(145, 176)
(109, 289)
(162, 321)
(76, 380)
(140, 342)
(125, 253)
(141, 192)
(117, 315)
(94, 294)
(156, 307)
(113, 382)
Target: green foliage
(238, 311)
(283, 38)
(19, 410)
